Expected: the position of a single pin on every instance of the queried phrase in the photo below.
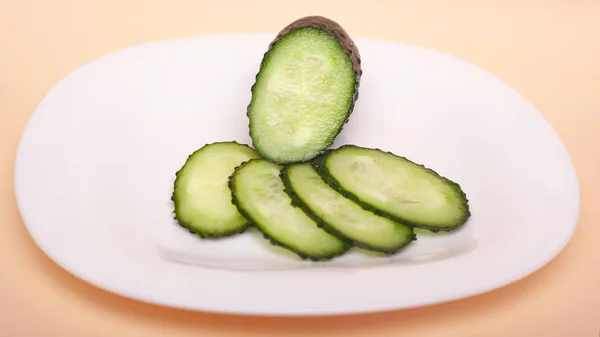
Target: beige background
(548, 50)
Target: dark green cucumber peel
(319, 164)
(270, 238)
(332, 29)
(205, 235)
(298, 202)
(184, 224)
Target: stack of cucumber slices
(301, 195)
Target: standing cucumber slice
(305, 90)
(259, 194)
(395, 187)
(201, 195)
(341, 216)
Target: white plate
(96, 164)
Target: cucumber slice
(395, 187)
(201, 195)
(304, 92)
(259, 194)
(341, 216)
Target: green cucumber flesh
(201, 194)
(341, 216)
(258, 192)
(304, 92)
(395, 187)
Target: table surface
(548, 50)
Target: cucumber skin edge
(266, 235)
(321, 168)
(203, 234)
(325, 25)
(298, 202)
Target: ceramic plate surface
(96, 164)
